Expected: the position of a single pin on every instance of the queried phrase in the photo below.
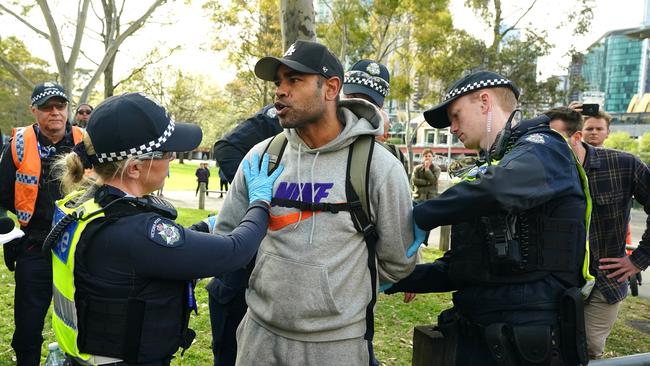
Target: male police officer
(28, 190)
(518, 234)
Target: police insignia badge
(373, 69)
(165, 232)
(536, 138)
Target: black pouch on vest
(572, 327)
(498, 342)
(533, 344)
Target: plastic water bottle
(55, 356)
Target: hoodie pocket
(289, 290)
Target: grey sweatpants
(256, 346)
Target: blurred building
(615, 68)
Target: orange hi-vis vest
(27, 159)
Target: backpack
(358, 203)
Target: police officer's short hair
(504, 97)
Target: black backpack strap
(275, 149)
(356, 190)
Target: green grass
(394, 320)
(182, 178)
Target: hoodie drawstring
(313, 216)
(299, 187)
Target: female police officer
(123, 269)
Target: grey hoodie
(311, 280)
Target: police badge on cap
(369, 78)
(437, 116)
(46, 91)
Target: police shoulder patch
(165, 232)
(536, 138)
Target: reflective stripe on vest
(64, 316)
(27, 159)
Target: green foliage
(248, 31)
(188, 98)
(15, 96)
(622, 140)
(644, 147)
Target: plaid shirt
(614, 178)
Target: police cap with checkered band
(370, 78)
(46, 91)
(302, 56)
(129, 125)
(437, 116)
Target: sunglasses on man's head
(84, 111)
(50, 106)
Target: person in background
(28, 189)
(82, 114)
(223, 183)
(425, 178)
(202, 176)
(595, 129)
(615, 178)
(124, 270)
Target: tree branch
(112, 49)
(149, 62)
(24, 21)
(13, 70)
(518, 20)
(55, 38)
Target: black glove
(11, 253)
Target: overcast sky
(178, 24)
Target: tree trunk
(297, 20)
(109, 86)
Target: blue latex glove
(419, 236)
(385, 286)
(260, 184)
(212, 223)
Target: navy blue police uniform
(517, 250)
(137, 252)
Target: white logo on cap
(325, 69)
(48, 85)
(290, 51)
(373, 69)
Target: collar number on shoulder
(165, 232)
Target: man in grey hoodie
(311, 284)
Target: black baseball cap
(131, 124)
(370, 78)
(305, 57)
(46, 91)
(437, 116)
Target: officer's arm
(229, 157)
(7, 179)
(176, 253)
(530, 175)
(425, 278)
(641, 256)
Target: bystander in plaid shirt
(614, 178)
